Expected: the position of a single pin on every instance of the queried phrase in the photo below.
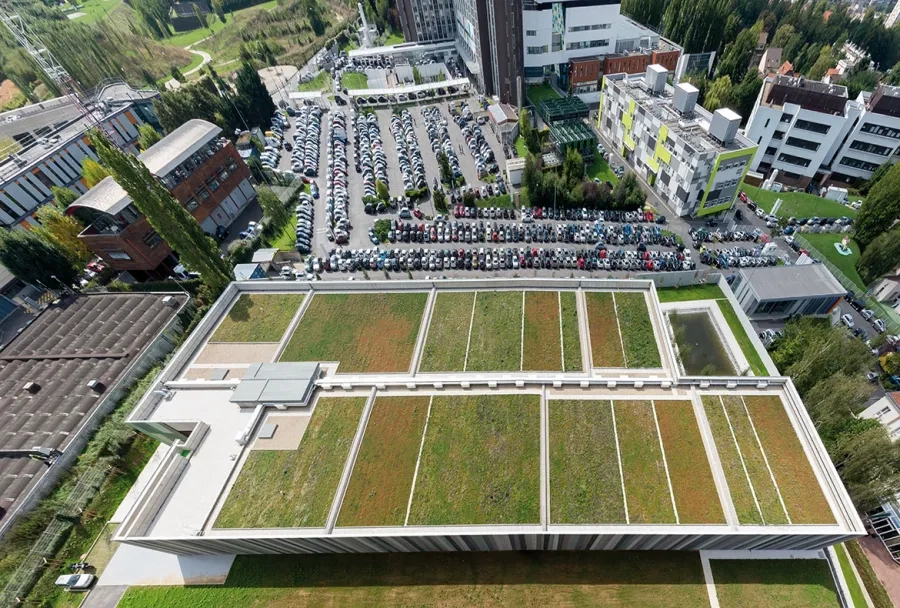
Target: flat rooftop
(783, 282)
(533, 406)
(177, 146)
(93, 337)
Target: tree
(272, 207)
(746, 93)
(572, 169)
(313, 12)
(531, 175)
(382, 191)
(253, 99)
(176, 74)
(92, 172)
(737, 55)
(63, 197)
(166, 215)
(219, 10)
(62, 230)
(880, 208)
(824, 62)
(526, 130)
(147, 136)
(832, 399)
(719, 94)
(417, 75)
(880, 257)
(440, 201)
(196, 100)
(444, 164)
(34, 259)
(649, 12)
(869, 465)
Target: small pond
(699, 347)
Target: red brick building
(200, 169)
(585, 72)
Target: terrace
(514, 414)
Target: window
(771, 150)
(880, 130)
(802, 143)
(213, 183)
(787, 117)
(871, 148)
(767, 123)
(537, 50)
(191, 204)
(858, 164)
(232, 166)
(778, 135)
(587, 44)
(794, 160)
(117, 254)
(223, 174)
(531, 32)
(152, 239)
(595, 26)
(815, 127)
(202, 194)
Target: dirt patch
(288, 434)
(542, 347)
(237, 352)
(8, 92)
(606, 344)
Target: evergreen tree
(92, 172)
(272, 207)
(147, 136)
(253, 99)
(381, 190)
(62, 230)
(171, 221)
(63, 197)
(880, 209)
(880, 257)
(35, 260)
(219, 10)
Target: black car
(661, 219)
(739, 215)
(221, 233)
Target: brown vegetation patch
(606, 343)
(542, 346)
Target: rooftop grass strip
(496, 341)
(448, 332)
(637, 330)
(646, 485)
(800, 490)
(687, 293)
(606, 343)
(258, 317)
(489, 579)
(743, 340)
(738, 485)
(571, 336)
(542, 348)
(365, 332)
(853, 584)
(798, 583)
(585, 485)
(696, 497)
(379, 487)
(481, 462)
(295, 488)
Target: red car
(743, 196)
(417, 213)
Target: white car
(879, 326)
(847, 320)
(76, 582)
(867, 314)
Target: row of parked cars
(704, 235)
(439, 135)
(865, 313)
(307, 134)
(478, 146)
(737, 257)
(337, 199)
(371, 161)
(500, 258)
(409, 155)
(305, 212)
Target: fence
(892, 325)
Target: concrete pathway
(104, 597)
(135, 566)
(886, 569)
(206, 59)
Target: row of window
(802, 143)
(858, 164)
(586, 28)
(815, 127)
(212, 184)
(587, 44)
(531, 32)
(794, 160)
(191, 164)
(537, 50)
(871, 148)
(880, 130)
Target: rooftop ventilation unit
(685, 97)
(96, 386)
(170, 301)
(656, 78)
(724, 125)
(32, 387)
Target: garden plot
(798, 583)
(448, 332)
(480, 462)
(638, 336)
(542, 338)
(382, 477)
(495, 342)
(568, 310)
(692, 481)
(800, 490)
(258, 317)
(647, 490)
(585, 480)
(365, 332)
(606, 340)
(295, 488)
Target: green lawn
(496, 341)
(394, 38)
(637, 331)
(709, 291)
(258, 317)
(365, 332)
(824, 243)
(570, 332)
(646, 484)
(295, 488)
(448, 332)
(480, 462)
(195, 61)
(195, 36)
(320, 83)
(600, 169)
(354, 80)
(521, 148)
(489, 579)
(538, 93)
(585, 485)
(798, 583)
(378, 492)
(542, 347)
(856, 592)
(95, 10)
(798, 204)
(286, 239)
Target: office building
(693, 159)
(885, 519)
(427, 20)
(779, 292)
(489, 41)
(201, 170)
(815, 136)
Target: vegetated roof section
(784, 282)
(177, 146)
(107, 197)
(570, 131)
(562, 108)
(86, 338)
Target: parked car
(866, 313)
(76, 582)
(847, 320)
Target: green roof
(563, 108)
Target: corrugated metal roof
(177, 146)
(107, 196)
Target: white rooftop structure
(107, 196)
(177, 146)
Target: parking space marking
(412, 489)
(522, 336)
(562, 346)
(621, 341)
(766, 460)
(741, 456)
(612, 408)
(665, 462)
(469, 338)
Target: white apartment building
(695, 160)
(813, 135)
(885, 519)
(892, 18)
